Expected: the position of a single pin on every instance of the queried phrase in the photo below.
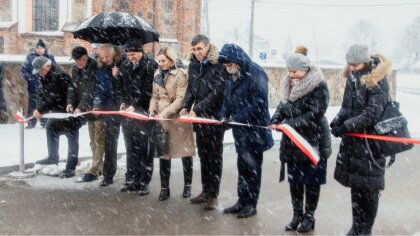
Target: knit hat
(40, 44)
(358, 54)
(78, 52)
(133, 45)
(38, 63)
(298, 61)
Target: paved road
(48, 205)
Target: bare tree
(363, 32)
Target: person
(4, 117)
(105, 98)
(205, 90)
(169, 87)
(304, 100)
(135, 90)
(34, 80)
(53, 98)
(365, 96)
(80, 99)
(246, 101)
(94, 54)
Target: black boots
(164, 194)
(293, 225)
(364, 209)
(308, 223)
(187, 191)
(233, 209)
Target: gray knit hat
(38, 63)
(298, 61)
(358, 54)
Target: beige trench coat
(167, 102)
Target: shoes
(47, 161)
(88, 177)
(353, 231)
(246, 212)
(105, 182)
(130, 187)
(211, 204)
(308, 224)
(187, 191)
(164, 194)
(235, 209)
(67, 174)
(201, 198)
(293, 225)
(144, 190)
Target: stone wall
(14, 85)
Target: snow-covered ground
(408, 94)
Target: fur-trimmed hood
(212, 55)
(381, 68)
(307, 84)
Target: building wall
(176, 20)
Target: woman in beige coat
(169, 87)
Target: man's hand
(152, 113)
(69, 108)
(183, 112)
(130, 109)
(115, 71)
(37, 115)
(77, 111)
(122, 107)
(192, 113)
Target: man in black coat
(80, 99)
(53, 98)
(134, 94)
(205, 90)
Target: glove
(334, 124)
(339, 131)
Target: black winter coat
(303, 108)
(82, 87)
(205, 90)
(365, 96)
(135, 86)
(53, 92)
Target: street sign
(263, 55)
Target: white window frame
(8, 24)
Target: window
(78, 13)
(45, 15)
(5, 10)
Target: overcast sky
(320, 24)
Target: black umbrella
(115, 28)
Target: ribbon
(385, 138)
(294, 136)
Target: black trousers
(210, 151)
(249, 166)
(311, 192)
(364, 207)
(139, 156)
(112, 133)
(165, 171)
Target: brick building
(22, 22)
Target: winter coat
(303, 107)
(205, 90)
(82, 88)
(33, 80)
(135, 86)
(167, 102)
(246, 101)
(53, 95)
(365, 96)
(105, 89)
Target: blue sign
(263, 55)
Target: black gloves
(339, 131)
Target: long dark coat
(205, 90)
(246, 101)
(82, 87)
(365, 97)
(303, 108)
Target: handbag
(393, 124)
(160, 140)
